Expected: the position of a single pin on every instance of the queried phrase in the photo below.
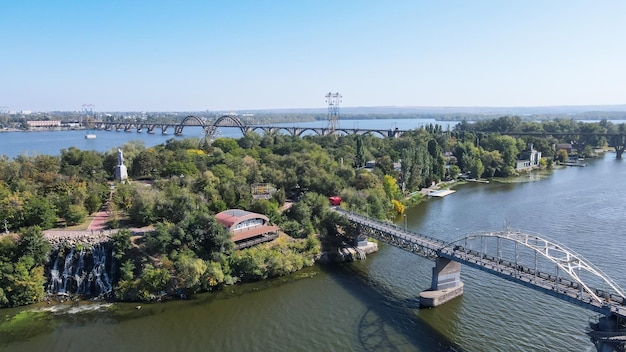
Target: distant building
(247, 229)
(262, 190)
(564, 146)
(44, 123)
(529, 159)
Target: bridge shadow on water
(387, 316)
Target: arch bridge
(232, 121)
(526, 259)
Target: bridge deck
(567, 290)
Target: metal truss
(565, 259)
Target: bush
(76, 214)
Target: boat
(90, 136)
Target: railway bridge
(231, 121)
(526, 259)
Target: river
(371, 305)
(32, 143)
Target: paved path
(99, 221)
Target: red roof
(232, 217)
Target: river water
(34, 143)
(371, 305)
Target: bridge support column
(607, 334)
(446, 283)
(360, 238)
(619, 150)
(361, 242)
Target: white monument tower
(120, 170)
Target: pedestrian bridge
(526, 259)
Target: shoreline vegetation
(175, 190)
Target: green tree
(33, 244)
(154, 280)
(39, 211)
(93, 203)
(121, 243)
(207, 238)
(189, 271)
(76, 214)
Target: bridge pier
(446, 283)
(619, 150)
(608, 333)
(361, 242)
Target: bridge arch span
(372, 133)
(300, 132)
(564, 258)
(190, 120)
(226, 121)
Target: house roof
(232, 217)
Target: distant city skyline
(248, 55)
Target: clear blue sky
(154, 55)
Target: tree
(39, 211)
(93, 203)
(121, 243)
(33, 244)
(76, 214)
(562, 155)
(207, 238)
(146, 164)
(391, 188)
(154, 279)
(189, 271)
(476, 168)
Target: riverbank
(43, 129)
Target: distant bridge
(515, 264)
(230, 121)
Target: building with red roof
(247, 229)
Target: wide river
(371, 305)
(33, 143)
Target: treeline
(490, 135)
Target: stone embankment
(89, 238)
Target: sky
(156, 55)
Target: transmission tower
(87, 111)
(333, 100)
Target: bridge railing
(570, 288)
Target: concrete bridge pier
(361, 242)
(360, 237)
(446, 283)
(608, 334)
(619, 150)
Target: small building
(370, 164)
(262, 190)
(44, 123)
(247, 229)
(529, 159)
(564, 146)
